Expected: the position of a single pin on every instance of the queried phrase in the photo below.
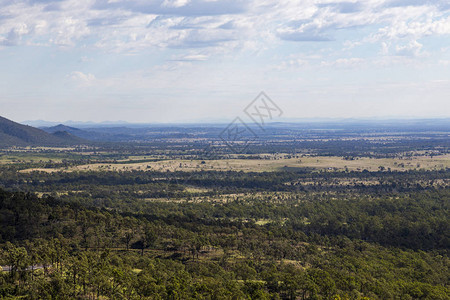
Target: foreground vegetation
(388, 240)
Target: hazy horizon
(227, 120)
(45, 123)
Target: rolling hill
(91, 134)
(15, 134)
(61, 127)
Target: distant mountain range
(91, 134)
(61, 127)
(15, 134)
(77, 124)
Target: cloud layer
(170, 51)
(124, 25)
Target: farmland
(267, 163)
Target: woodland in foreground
(269, 241)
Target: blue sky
(205, 60)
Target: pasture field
(270, 164)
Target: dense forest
(270, 239)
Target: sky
(172, 61)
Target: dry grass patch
(272, 164)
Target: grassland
(268, 163)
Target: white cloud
(191, 57)
(82, 78)
(14, 36)
(175, 3)
(220, 25)
(354, 62)
(411, 49)
(444, 62)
